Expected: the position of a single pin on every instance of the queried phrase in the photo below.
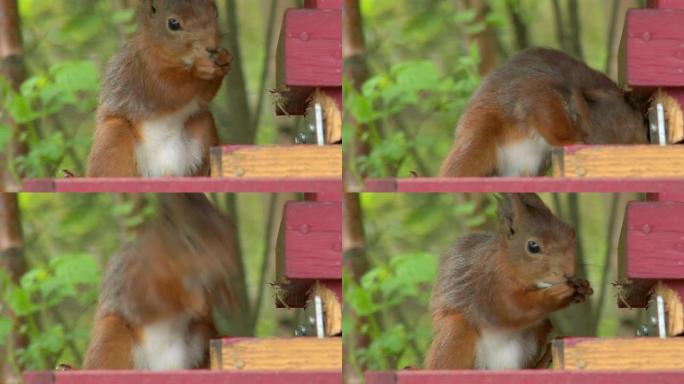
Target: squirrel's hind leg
(111, 345)
(453, 343)
(113, 150)
(471, 156)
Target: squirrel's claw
(582, 290)
(223, 59)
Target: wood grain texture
(332, 116)
(293, 354)
(332, 307)
(643, 353)
(310, 242)
(674, 312)
(524, 184)
(182, 377)
(310, 49)
(524, 377)
(652, 54)
(248, 162)
(585, 161)
(654, 245)
(323, 4)
(672, 99)
(673, 4)
(185, 185)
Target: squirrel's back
(463, 272)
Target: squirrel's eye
(174, 25)
(533, 247)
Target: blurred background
(49, 82)
(411, 66)
(391, 264)
(55, 252)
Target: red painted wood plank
(182, 377)
(310, 52)
(674, 4)
(311, 241)
(523, 184)
(183, 185)
(526, 377)
(326, 196)
(654, 48)
(669, 196)
(655, 240)
(324, 4)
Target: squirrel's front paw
(560, 295)
(223, 59)
(205, 69)
(582, 290)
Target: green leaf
(75, 76)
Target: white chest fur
(503, 349)
(166, 149)
(524, 157)
(167, 345)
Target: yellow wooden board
(619, 161)
(271, 354)
(638, 353)
(277, 161)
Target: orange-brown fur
(148, 79)
(546, 92)
(180, 265)
(490, 281)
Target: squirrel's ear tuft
(532, 200)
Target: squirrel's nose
(212, 51)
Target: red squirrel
(540, 99)
(494, 291)
(159, 292)
(153, 118)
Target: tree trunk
(356, 71)
(12, 261)
(575, 25)
(486, 39)
(239, 127)
(522, 37)
(355, 265)
(13, 69)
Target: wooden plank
(525, 377)
(672, 4)
(185, 185)
(182, 377)
(652, 53)
(310, 51)
(525, 184)
(291, 354)
(303, 161)
(591, 161)
(642, 353)
(310, 242)
(654, 240)
(332, 308)
(324, 4)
